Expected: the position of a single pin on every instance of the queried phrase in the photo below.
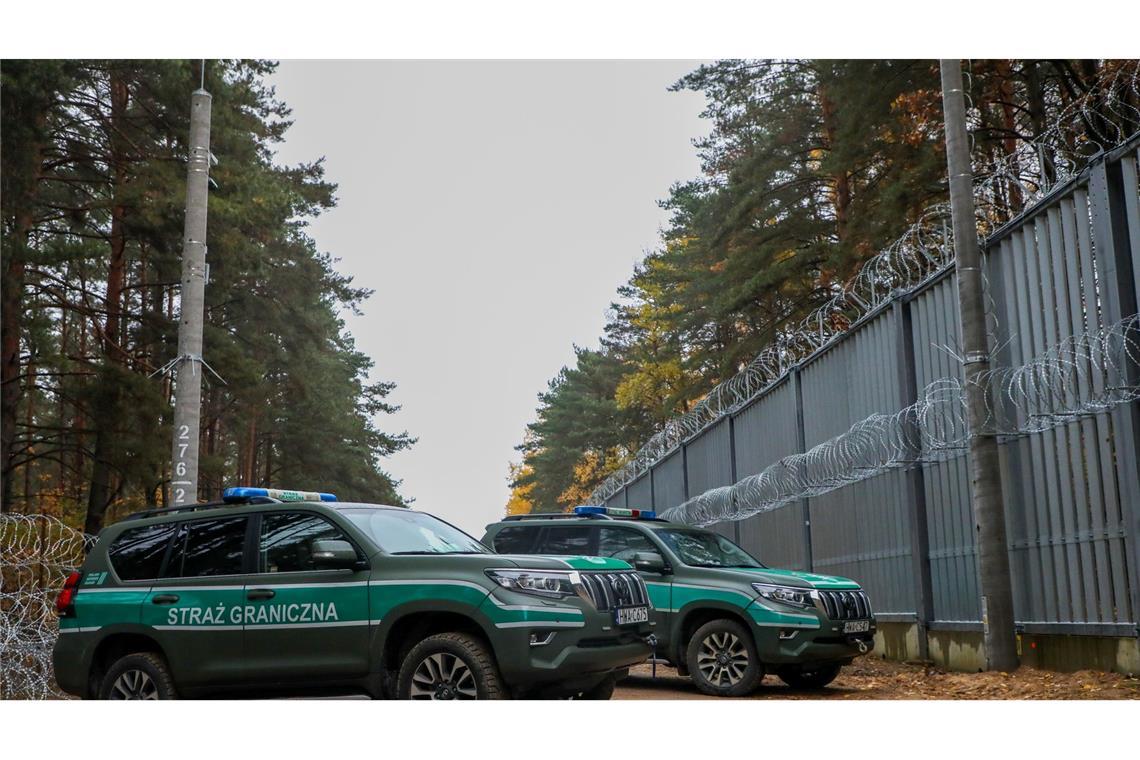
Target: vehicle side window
(137, 554)
(566, 540)
(516, 540)
(621, 542)
(208, 547)
(286, 544)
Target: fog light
(541, 638)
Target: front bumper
(578, 649)
(572, 660)
(828, 643)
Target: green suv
(288, 592)
(721, 616)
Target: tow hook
(651, 640)
(862, 646)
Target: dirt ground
(875, 678)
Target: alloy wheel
(442, 675)
(134, 684)
(722, 659)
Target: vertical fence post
(732, 469)
(684, 472)
(1110, 232)
(914, 483)
(801, 447)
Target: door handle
(260, 593)
(164, 599)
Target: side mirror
(333, 554)
(648, 562)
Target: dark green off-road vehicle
(722, 617)
(289, 592)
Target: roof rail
(555, 516)
(193, 507)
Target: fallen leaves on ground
(875, 678)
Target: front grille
(610, 590)
(844, 605)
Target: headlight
(789, 595)
(549, 583)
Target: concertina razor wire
(37, 552)
(1085, 127)
(1080, 376)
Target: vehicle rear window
(137, 554)
(515, 540)
(208, 547)
(566, 540)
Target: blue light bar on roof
(637, 514)
(245, 493)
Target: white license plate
(631, 615)
(857, 626)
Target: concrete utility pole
(985, 469)
(188, 368)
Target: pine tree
(94, 171)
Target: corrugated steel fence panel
(708, 458)
(617, 500)
(765, 433)
(669, 482)
(953, 552)
(1072, 492)
(1066, 525)
(1112, 191)
(640, 493)
(862, 530)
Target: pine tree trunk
(100, 495)
(1009, 139)
(840, 182)
(11, 293)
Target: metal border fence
(1068, 266)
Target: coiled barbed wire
(1081, 376)
(36, 554)
(1105, 116)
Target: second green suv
(721, 616)
(282, 591)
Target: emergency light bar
(244, 493)
(637, 514)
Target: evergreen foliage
(810, 168)
(94, 184)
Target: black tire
(604, 690)
(736, 670)
(450, 666)
(809, 676)
(141, 675)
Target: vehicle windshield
(398, 531)
(702, 548)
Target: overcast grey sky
(494, 207)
